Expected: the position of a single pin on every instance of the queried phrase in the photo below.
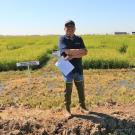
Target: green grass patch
(104, 51)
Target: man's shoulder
(62, 37)
(78, 37)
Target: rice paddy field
(104, 51)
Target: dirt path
(118, 119)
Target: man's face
(70, 30)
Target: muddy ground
(36, 108)
(102, 120)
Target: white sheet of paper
(64, 65)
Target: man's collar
(67, 37)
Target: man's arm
(75, 53)
(80, 53)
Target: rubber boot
(80, 89)
(67, 99)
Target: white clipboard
(64, 66)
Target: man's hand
(68, 57)
(67, 51)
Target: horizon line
(111, 33)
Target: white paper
(64, 65)
(56, 53)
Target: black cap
(69, 22)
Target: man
(73, 49)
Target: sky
(41, 17)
